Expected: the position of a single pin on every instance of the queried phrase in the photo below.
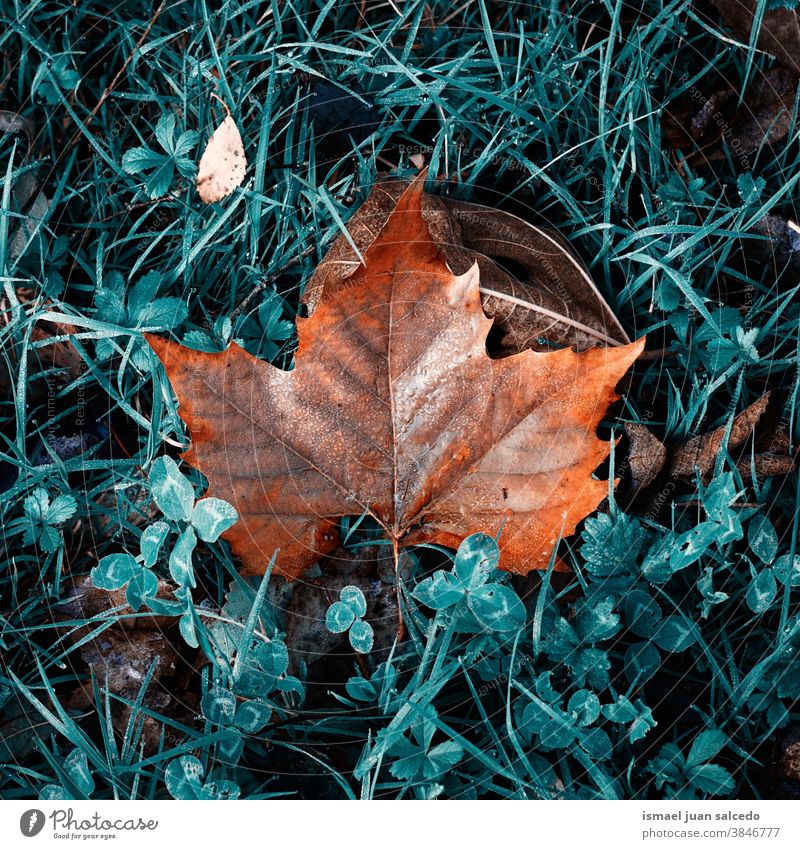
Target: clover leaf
(345, 616)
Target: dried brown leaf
(783, 248)
(766, 465)
(550, 296)
(394, 410)
(715, 125)
(790, 756)
(779, 33)
(646, 455)
(122, 655)
(54, 353)
(700, 452)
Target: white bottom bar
(391, 825)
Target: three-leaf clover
(42, 517)
(241, 704)
(205, 519)
(635, 716)
(750, 188)
(183, 778)
(763, 588)
(159, 168)
(416, 758)
(711, 597)
(235, 718)
(347, 615)
(495, 606)
(380, 687)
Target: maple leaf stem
(401, 625)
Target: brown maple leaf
(394, 410)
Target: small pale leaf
(223, 164)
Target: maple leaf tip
(627, 349)
(467, 285)
(627, 353)
(406, 223)
(637, 346)
(414, 192)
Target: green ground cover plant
(664, 664)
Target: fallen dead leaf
(54, 354)
(22, 730)
(782, 250)
(548, 300)
(123, 654)
(223, 163)
(772, 455)
(716, 125)
(700, 452)
(765, 466)
(646, 455)
(86, 601)
(395, 410)
(28, 203)
(778, 34)
(790, 757)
